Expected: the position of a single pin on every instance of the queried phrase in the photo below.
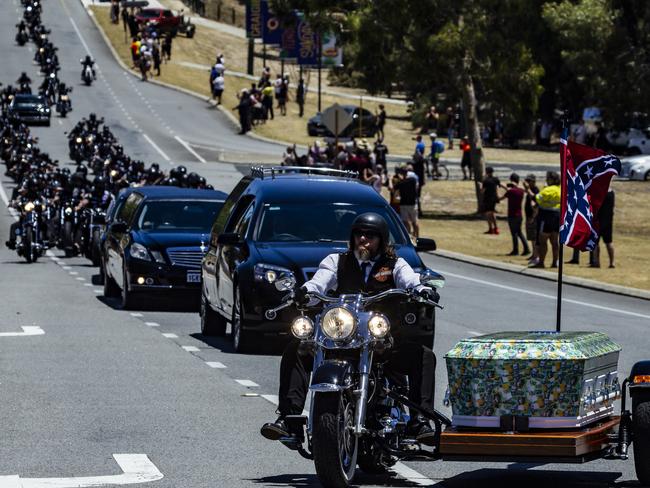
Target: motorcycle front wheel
(334, 445)
(28, 245)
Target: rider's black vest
(351, 280)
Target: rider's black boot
(275, 430)
(420, 429)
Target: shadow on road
(308, 480)
(267, 345)
(153, 304)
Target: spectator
(218, 85)
(220, 59)
(267, 101)
(605, 218)
(167, 47)
(431, 119)
(394, 199)
(407, 186)
(419, 170)
(490, 198)
(374, 178)
(548, 201)
(545, 133)
(451, 127)
(515, 196)
(580, 133)
(601, 141)
(290, 158)
(282, 95)
(300, 97)
(135, 51)
(155, 54)
(244, 109)
(530, 210)
(420, 147)
(265, 78)
(381, 150)
(466, 159)
(381, 121)
(437, 147)
(133, 24)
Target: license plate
(194, 277)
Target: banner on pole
(254, 18)
(307, 44)
(332, 53)
(271, 25)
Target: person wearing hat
(369, 266)
(437, 147)
(490, 198)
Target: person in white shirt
(370, 266)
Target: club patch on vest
(383, 274)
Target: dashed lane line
(170, 336)
(152, 324)
(216, 364)
(191, 348)
(28, 330)
(247, 383)
(135, 314)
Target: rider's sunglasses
(367, 233)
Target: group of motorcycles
(52, 89)
(67, 209)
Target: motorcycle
(31, 246)
(87, 75)
(25, 88)
(63, 105)
(21, 38)
(358, 413)
(68, 225)
(90, 229)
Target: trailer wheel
(641, 433)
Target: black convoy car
(155, 241)
(30, 109)
(286, 220)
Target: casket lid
(535, 345)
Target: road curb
(544, 275)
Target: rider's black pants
(413, 360)
(12, 231)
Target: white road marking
(59, 121)
(215, 364)
(152, 324)
(155, 146)
(88, 284)
(545, 295)
(170, 336)
(135, 314)
(80, 278)
(191, 348)
(73, 273)
(274, 399)
(411, 475)
(28, 330)
(67, 267)
(189, 149)
(137, 468)
(248, 383)
(83, 41)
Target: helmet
(82, 169)
(193, 180)
(370, 221)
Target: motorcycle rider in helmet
(88, 62)
(28, 192)
(371, 266)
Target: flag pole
(560, 264)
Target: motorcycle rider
(371, 266)
(27, 193)
(88, 62)
(24, 83)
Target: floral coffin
(553, 379)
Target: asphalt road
(100, 381)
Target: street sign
(336, 119)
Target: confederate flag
(586, 173)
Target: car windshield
(178, 215)
(29, 100)
(323, 222)
(150, 14)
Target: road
(101, 381)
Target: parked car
(166, 20)
(636, 167)
(286, 220)
(639, 143)
(30, 109)
(156, 240)
(368, 124)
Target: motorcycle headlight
(378, 325)
(78, 140)
(29, 206)
(338, 323)
(68, 210)
(268, 272)
(302, 327)
(138, 251)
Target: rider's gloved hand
(429, 294)
(300, 296)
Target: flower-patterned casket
(553, 379)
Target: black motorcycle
(91, 223)
(69, 227)
(22, 37)
(358, 411)
(63, 104)
(87, 75)
(31, 245)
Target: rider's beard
(362, 254)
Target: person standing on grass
(135, 52)
(530, 210)
(155, 54)
(167, 47)
(466, 158)
(490, 199)
(437, 147)
(282, 95)
(300, 97)
(605, 218)
(407, 186)
(244, 109)
(515, 196)
(218, 85)
(381, 121)
(451, 127)
(548, 201)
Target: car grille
(187, 257)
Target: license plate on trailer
(194, 277)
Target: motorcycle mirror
(432, 279)
(285, 282)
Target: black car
(368, 124)
(30, 109)
(286, 220)
(156, 240)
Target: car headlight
(29, 206)
(378, 325)
(138, 251)
(269, 272)
(338, 323)
(68, 210)
(302, 327)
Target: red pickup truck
(166, 21)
